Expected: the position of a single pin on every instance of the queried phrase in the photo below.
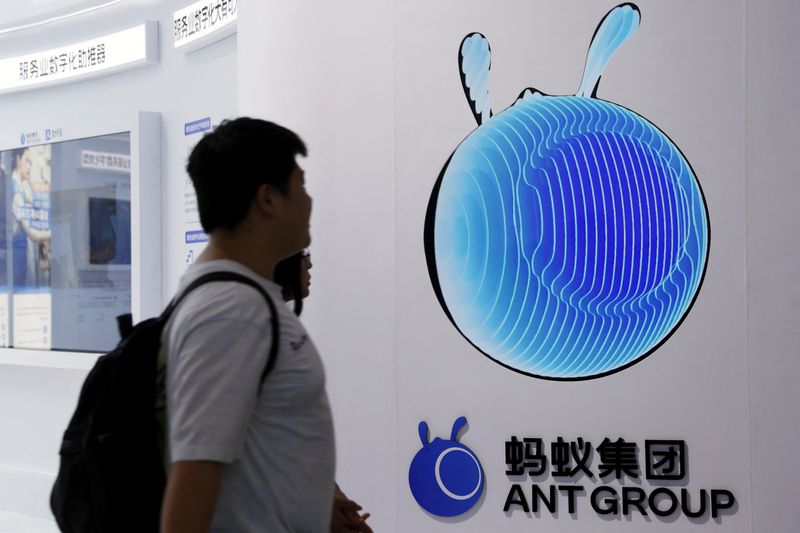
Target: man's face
(297, 211)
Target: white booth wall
(373, 88)
(36, 400)
(325, 70)
(773, 262)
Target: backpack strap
(238, 278)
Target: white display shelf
(48, 359)
(20, 523)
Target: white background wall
(700, 370)
(687, 70)
(324, 69)
(33, 11)
(373, 88)
(773, 294)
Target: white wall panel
(694, 386)
(773, 194)
(325, 70)
(307, 66)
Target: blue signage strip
(196, 236)
(196, 126)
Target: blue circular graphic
(445, 477)
(567, 237)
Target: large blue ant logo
(445, 477)
(566, 237)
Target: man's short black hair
(229, 164)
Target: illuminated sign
(567, 237)
(204, 22)
(99, 56)
(197, 126)
(196, 236)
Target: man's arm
(191, 496)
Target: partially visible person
(294, 276)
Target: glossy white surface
(33, 13)
(19, 523)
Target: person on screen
(294, 276)
(30, 206)
(239, 459)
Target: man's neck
(254, 256)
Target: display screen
(109, 231)
(65, 249)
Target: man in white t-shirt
(243, 460)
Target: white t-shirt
(277, 447)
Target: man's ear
(265, 200)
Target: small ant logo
(446, 478)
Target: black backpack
(111, 478)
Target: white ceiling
(28, 11)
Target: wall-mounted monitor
(71, 234)
(109, 231)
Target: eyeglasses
(307, 259)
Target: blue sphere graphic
(445, 477)
(567, 236)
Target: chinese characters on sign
(663, 462)
(35, 137)
(202, 18)
(97, 56)
(74, 60)
(105, 161)
(29, 137)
